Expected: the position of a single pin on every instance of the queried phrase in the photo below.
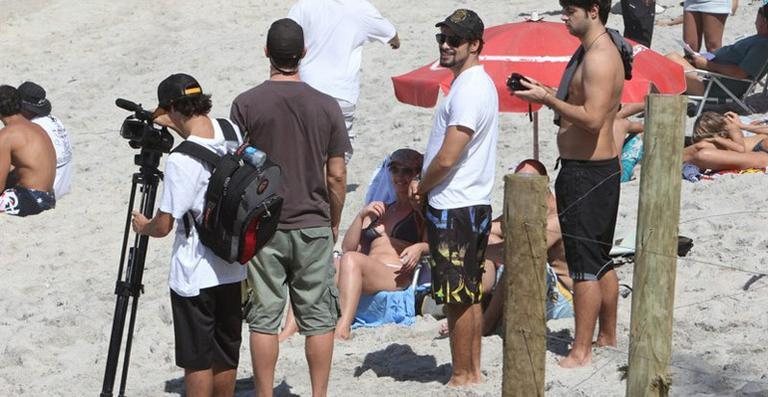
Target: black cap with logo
(177, 86)
(464, 23)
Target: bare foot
(573, 361)
(443, 331)
(342, 333)
(603, 341)
(464, 381)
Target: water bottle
(254, 157)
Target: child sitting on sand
(720, 143)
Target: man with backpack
(205, 289)
(303, 131)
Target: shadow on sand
(401, 363)
(243, 388)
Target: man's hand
(536, 92)
(335, 231)
(417, 201)
(395, 42)
(139, 222)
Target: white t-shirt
(472, 103)
(60, 138)
(193, 265)
(334, 33)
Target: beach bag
(242, 207)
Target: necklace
(594, 40)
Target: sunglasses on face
(397, 170)
(452, 40)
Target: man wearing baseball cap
(457, 180)
(36, 108)
(303, 131)
(205, 289)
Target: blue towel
(386, 307)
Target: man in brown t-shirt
(303, 131)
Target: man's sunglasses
(395, 170)
(452, 40)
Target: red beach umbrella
(540, 50)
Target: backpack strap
(228, 130)
(200, 153)
(197, 151)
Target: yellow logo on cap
(458, 16)
(193, 90)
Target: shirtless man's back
(27, 161)
(587, 187)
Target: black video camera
(514, 84)
(140, 131)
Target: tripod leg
(131, 287)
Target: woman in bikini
(383, 244)
(720, 144)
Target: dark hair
(284, 64)
(10, 101)
(763, 11)
(195, 105)
(603, 7)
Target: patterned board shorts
(457, 240)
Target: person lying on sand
(720, 144)
(27, 161)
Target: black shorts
(457, 241)
(207, 327)
(587, 195)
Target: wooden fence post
(650, 338)
(525, 255)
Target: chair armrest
(709, 74)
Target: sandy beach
(58, 269)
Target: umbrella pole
(536, 135)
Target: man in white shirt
(37, 109)
(334, 34)
(205, 289)
(458, 174)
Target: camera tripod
(128, 287)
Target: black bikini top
(407, 229)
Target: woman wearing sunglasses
(383, 244)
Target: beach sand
(58, 269)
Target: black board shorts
(457, 240)
(587, 193)
(207, 327)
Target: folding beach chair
(720, 89)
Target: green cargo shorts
(298, 262)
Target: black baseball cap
(285, 39)
(465, 23)
(33, 99)
(177, 86)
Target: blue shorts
(21, 201)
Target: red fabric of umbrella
(540, 50)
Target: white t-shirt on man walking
(334, 33)
(472, 102)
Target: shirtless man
(27, 161)
(587, 187)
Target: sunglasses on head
(398, 170)
(452, 40)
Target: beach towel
(385, 307)
(380, 187)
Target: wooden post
(658, 215)
(525, 255)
